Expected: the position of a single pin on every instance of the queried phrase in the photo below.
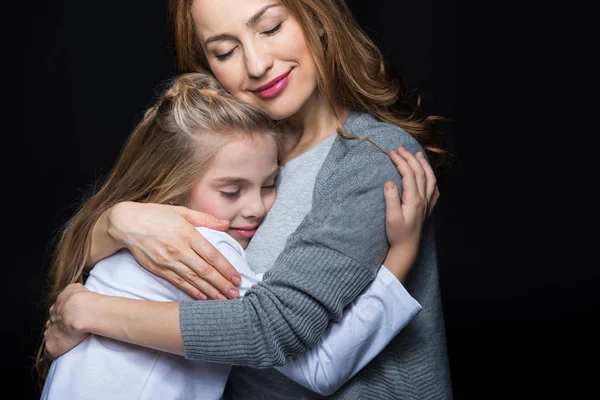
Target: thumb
(393, 208)
(198, 218)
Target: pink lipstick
(274, 87)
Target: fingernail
(221, 297)
(236, 280)
(390, 185)
(202, 296)
(401, 148)
(233, 293)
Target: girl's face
(239, 185)
(258, 52)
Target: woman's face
(258, 52)
(239, 185)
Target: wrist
(399, 261)
(93, 314)
(109, 224)
(84, 316)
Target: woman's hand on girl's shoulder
(165, 241)
(406, 216)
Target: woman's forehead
(217, 16)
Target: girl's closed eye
(272, 183)
(231, 194)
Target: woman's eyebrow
(254, 19)
(251, 22)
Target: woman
(181, 152)
(308, 63)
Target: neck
(314, 122)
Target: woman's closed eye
(274, 30)
(224, 56)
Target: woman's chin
(280, 112)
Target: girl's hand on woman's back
(405, 217)
(163, 238)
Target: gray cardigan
(328, 261)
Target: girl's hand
(163, 238)
(64, 329)
(405, 217)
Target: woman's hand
(164, 240)
(405, 217)
(64, 329)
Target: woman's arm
(325, 266)
(162, 238)
(368, 325)
(382, 311)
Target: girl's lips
(243, 233)
(273, 89)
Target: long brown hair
(352, 70)
(164, 156)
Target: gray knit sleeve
(330, 259)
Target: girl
(190, 149)
(306, 62)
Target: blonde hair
(164, 156)
(352, 71)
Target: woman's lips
(274, 87)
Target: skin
(258, 54)
(79, 312)
(240, 185)
(245, 57)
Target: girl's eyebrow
(231, 180)
(234, 180)
(251, 22)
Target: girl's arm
(368, 325)
(376, 316)
(326, 264)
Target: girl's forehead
(253, 156)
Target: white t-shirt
(101, 368)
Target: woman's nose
(258, 61)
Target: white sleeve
(367, 326)
(102, 368)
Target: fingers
(417, 168)
(432, 190)
(198, 218)
(433, 202)
(431, 181)
(214, 268)
(393, 209)
(410, 191)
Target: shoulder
(221, 240)
(385, 135)
(358, 162)
(121, 275)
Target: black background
(518, 216)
